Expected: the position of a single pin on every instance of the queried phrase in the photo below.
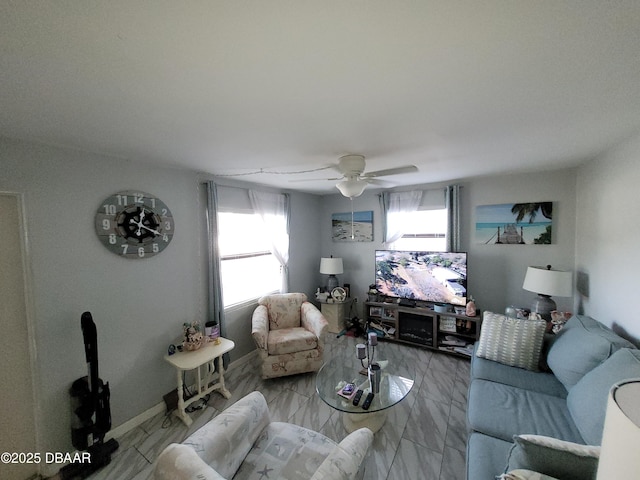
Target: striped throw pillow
(512, 341)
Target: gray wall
(496, 272)
(138, 305)
(607, 240)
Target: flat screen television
(438, 277)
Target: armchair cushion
(290, 340)
(283, 309)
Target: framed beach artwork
(514, 224)
(352, 226)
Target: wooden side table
(204, 357)
(335, 314)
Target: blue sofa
(566, 401)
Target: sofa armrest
(260, 326)
(312, 319)
(345, 459)
(181, 461)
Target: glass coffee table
(396, 383)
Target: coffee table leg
(373, 421)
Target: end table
(335, 313)
(203, 357)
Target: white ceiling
(458, 88)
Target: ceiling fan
(353, 180)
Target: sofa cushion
(543, 382)
(486, 456)
(503, 411)
(582, 345)
(587, 400)
(290, 340)
(553, 457)
(511, 341)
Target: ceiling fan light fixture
(351, 187)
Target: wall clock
(134, 224)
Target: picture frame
(388, 314)
(352, 226)
(515, 224)
(375, 312)
(448, 324)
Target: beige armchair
(243, 443)
(289, 333)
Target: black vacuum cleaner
(90, 411)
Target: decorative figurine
(471, 308)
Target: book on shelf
(466, 350)
(452, 341)
(382, 329)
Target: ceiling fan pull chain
(352, 232)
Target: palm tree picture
(515, 223)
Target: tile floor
(424, 437)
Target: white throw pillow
(512, 341)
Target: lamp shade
(546, 281)
(619, 456)
(331, 266)
(352, 187)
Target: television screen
(439, 277)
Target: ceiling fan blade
(391, 171)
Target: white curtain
(274, 209)
(452, 200)
(396, 206)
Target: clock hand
(138, 224)
(150, 229)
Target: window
(248, 268)
(423, 230)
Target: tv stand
(422, 326)
(405, 302)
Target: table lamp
(621, 435)
(332, 267)
(547, 282)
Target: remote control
(356, 399)
(367, 402)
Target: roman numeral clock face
(134, 224)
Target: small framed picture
(448, 324)
(375, 311)
(389, 314)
